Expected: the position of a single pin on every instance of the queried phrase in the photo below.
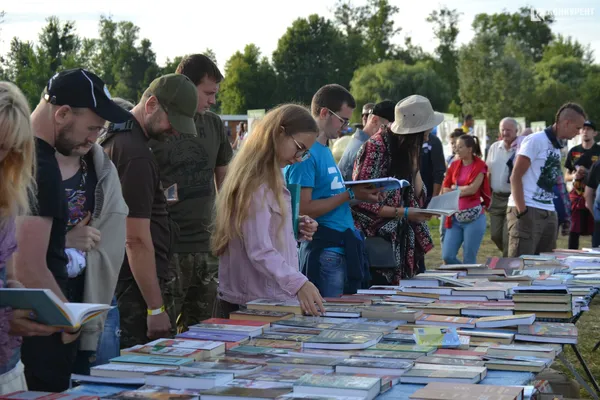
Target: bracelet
(396, 212)
(351, 194)
(405, 212)
(157, 311)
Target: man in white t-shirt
(531, 216)
(497, 158)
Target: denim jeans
(331, 276)
(108, 345)
(468, 235)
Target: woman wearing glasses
(253, 235)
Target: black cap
(82, 89)
(385, 109)
(590, 124)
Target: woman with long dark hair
(395, 152)
(467, 227)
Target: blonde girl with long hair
(17, 153)
(253, 234)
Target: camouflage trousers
(134, 312)
(196, 290)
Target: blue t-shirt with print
(321, 173)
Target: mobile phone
(171, 194)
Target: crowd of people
(144, 206)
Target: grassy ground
(588, 325)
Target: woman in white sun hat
(395, 152)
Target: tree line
(513, 66)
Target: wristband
(405, 212)
(157, 311)
(351, 194)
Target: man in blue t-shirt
(325, 198)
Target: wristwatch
(519, 215)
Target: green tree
(27, 69)
(562, 46)
(126, 64)
(58, 41)
(310, 54)
(519, 26)
(210, 53)
(590, 92)
(395, 80)
(250, 82)
(496, 79)
(558, 80)
(369, 30)
(171, 65)
(445, 28)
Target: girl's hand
(307, 227)
(308, 295)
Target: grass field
(588, 325)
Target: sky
(226, 26)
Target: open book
(445, 204)
(49, 309)
(387, 183)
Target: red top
(461, 176)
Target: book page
(81, 311)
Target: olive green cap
(179, 97)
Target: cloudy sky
(228, 25)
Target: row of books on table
(365, 344)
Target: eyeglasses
(344, 121)
(302, 152)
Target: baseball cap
(590, 124)
(385, 109)
(81, 88)
(179, 97)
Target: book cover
(236, 322)
(375, 364)
(338, 382)
(295, 200)
(344, 337)
(233, 392)
(402, 348)
(152, 360)
(362, 328)
(212, 336)
(549, 329)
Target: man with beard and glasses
(74, 108)
(145, 302)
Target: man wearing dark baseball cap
(71, 114)
(590, 124)
(379, 116)
(168, 106)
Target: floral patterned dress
(8, 344)
(410, 241)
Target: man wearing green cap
(167, 108)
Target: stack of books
(447, 329)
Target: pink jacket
(264, 263)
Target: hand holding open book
(48, 309)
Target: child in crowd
(16, 178)
(253, 235)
